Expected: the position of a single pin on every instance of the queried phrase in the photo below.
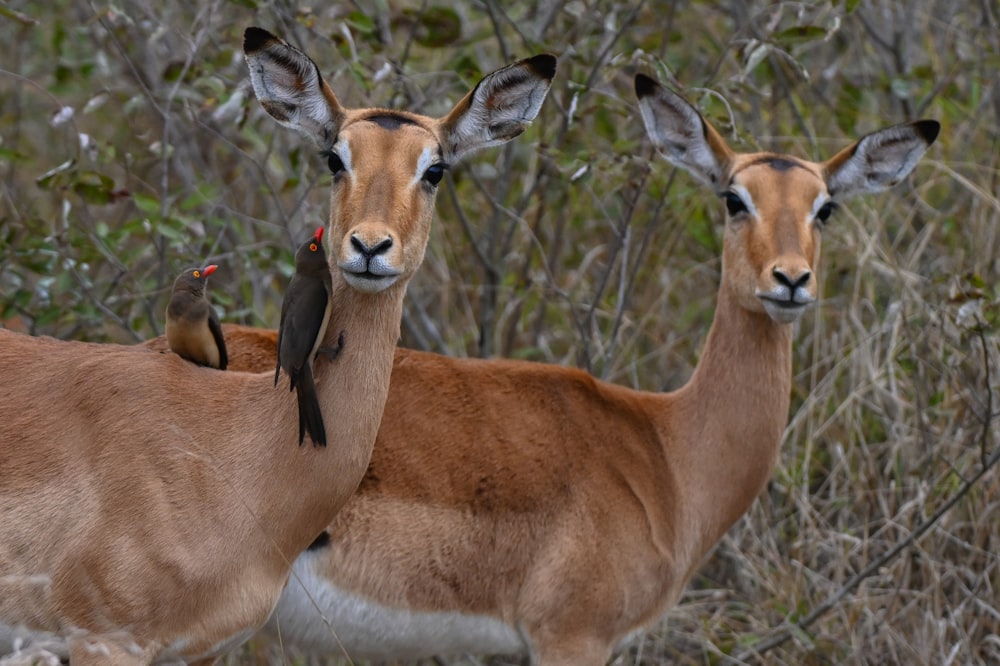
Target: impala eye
(825, 211)
(434, 174)
(334, 162)
(734, 205)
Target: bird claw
(333, 352)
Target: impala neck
(352, 389)
(734, 410)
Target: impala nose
(369, 251)
(793, 282)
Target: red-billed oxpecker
(193, 329)
(305, 313)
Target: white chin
(783, 314)
(369, 284)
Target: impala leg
(95, 650)
(565, 641)
(570, 651)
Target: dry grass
(575, 246)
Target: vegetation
(131, 147)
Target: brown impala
(150, 508)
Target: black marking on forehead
(776, 162)
(780, 163)
(390, 121)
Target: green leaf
(847, 108)
(170, 233)
(360, 22)
(95, 188)
(467, 67)
(203, 195)
(800, 34)
(11, 154)
(172, 72)
(57, 177)
(23, 19)
(47, 316)
(440, 26)
(146, 204)
(975, 280)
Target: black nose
(791, 283)
(370, 251)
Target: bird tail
(310, 416)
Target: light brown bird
(193, 329)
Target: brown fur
(247, 346)
(150, 508)
(569, 508)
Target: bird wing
(306, 302)
(220, 341)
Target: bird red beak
(209, 270)
(319, 234)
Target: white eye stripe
(344, 152)
(744, 196)
(427, 159)
(818, 203)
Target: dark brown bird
(193, 329)
(305, 312)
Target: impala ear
(879, 160)
(680, 133)
(499, 108)
(288, 85)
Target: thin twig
(988, 413)
(463, 219)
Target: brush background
(575, 245)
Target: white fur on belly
(366, 630)
(19, 645)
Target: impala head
(386, 164)
(776, 205)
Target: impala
(528, 509)
(150, 509)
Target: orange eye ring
(312, 247)
(196, 273)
